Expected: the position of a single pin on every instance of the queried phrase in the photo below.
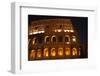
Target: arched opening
(60, 51)
(45, 52)
(53, 39)
(53, 52)
(67, 39)
(74, 51)
(47, 39)
(34, 41)
(32, 54)
(67, 51)
(39, 53)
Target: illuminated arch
(52, 38)
(53, 52)
(45, 52)
(74, 51)
(67, 51)
(46, 39)
(32, 54)
(60, 51)
(34, 41)
(39, 54)
(67, 39)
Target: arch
(47, 39)
(34, 41)
(53, 38)
(53, 52)
(74, 51)
(60, 51)
(45, 52)
(32, 54)
(39, 53)
(67, 39)
(67, 51)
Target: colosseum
(53, 39)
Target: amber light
(67, 51)
(59, 30)
(60, 51)
(36, 32)
(46, 52)
(74, 51)
(56, 38)
(33, 42)
(39, 54)
(74, 38)
(32, 54)
(53, 52)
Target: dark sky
(79, 23)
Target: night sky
(80, 24)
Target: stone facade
(53, 39)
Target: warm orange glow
(52, 38)
(36, 32)
(74, 39)
(39, 53)
(46, 38)
(67, 36)
(32, 54)
(55, 38)
(30, 33)
(60, 51)
(45, 52)
(74, 51)
(71, 30)
(55, 30)
(67, 51)
(65, 30)
(53, 52)
(33, 42)
(68, 30)
(59, 30)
